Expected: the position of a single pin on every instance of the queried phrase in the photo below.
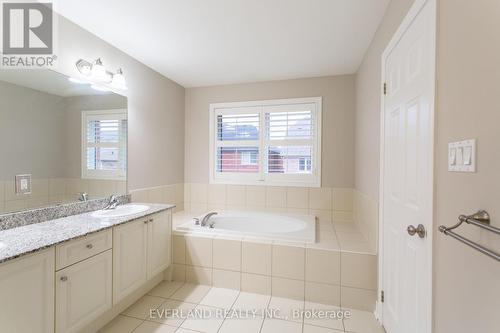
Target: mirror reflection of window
(104, 145)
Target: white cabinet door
(129, 258)
(27, 294)
(83, 292)
(159, 243)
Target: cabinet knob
(151, 220)
(89, 246)
(64, 278)
(145, 221)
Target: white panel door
(129, 258)
(27, 294)
(83, 292)
(407, 184)
(159, 243)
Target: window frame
(102, 115)
(262, 177)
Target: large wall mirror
(60, 140)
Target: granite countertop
(27, 239)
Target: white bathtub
(286, 227)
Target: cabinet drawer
(82, 248)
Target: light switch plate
(462, 156)
(23, 184)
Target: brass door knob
(419, 230)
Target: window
(305, 164)
(104, 144)
(249, 157)
(276, 142)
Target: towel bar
(480, 219)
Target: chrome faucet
(84, 196)
(205, 219)
(112, 203)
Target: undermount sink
(121, 211)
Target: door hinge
(382, 298)
(385, 88)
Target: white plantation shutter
(290, 125)
(290, 139)
(236, 143)
(266, 142)
(104, 144)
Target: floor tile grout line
(304, 299)
(267, 306)
(225, 317)
(146, 318)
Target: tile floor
(213, 301)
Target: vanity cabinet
(141, 249)
(67, 287)
(27, 293)
(129, 257)
(83, 292)
(159, 246)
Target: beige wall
(35, 145)
(467, 283)
(155, 108)
(367, 120)
(337, 126)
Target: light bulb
(99, 72)
(118, 81)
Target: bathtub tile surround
(27, 217)
(226, 254)
(292, 270)
(288, 261)
(166, 194)
(325, 202)
(184, 297)
(338, 269)
(226, 279)
(365, 211)
(256, 257)
(354, 215)
(255, 283)
(322, 266)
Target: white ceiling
(212, 42)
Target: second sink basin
(121, 211)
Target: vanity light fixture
(97, 73)
(84, 67)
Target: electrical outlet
(23, 184)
